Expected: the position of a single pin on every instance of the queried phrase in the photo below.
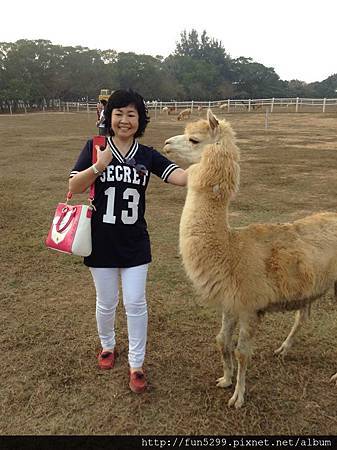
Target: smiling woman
(120, 240)
(124, 123)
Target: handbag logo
(62, 224)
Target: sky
(296, 37)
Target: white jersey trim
(73, 173)
(116, 153)
(131, 153)
(169, 169)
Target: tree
(26, 67)
(109, 56)
(297, 88)
(201, 66)
(195, 77)
(254, 80)
(143, 73)
(326, 88)
(189, 45)
(37, 71)
(83, 73)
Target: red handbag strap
(100, 141)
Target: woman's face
(125, 122)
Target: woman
(120, 239)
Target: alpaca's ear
(212, 120)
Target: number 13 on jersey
(129, 216)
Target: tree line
(38, 72)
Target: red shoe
(137, 382)
(106, 360)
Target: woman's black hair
(122, 98)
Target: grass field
(50, 383)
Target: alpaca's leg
(243, 353)
(300, 317)
(225, 344)
(334, 378)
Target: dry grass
(50, 383)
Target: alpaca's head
(198, 135)
(212, 143)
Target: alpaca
(168, 110)
(184, 114)
(252, 106)
(248, 270)
(255, 107)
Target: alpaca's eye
(193, 141)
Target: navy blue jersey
(119, 230)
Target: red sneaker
(106, 360)
(137, 382)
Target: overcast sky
(296, 37)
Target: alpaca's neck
(203, 215)
(205, 240)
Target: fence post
(228, 104)
(272, 105)
(266, 119)
(324, 104)
(296, 107)
(67, 106)
(249, 102)
(10, 109)
(191, 106)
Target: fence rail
(229, 105)
(290, 104)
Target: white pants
(134, 299)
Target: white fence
(265, 104)
(229, 105)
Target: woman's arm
(178, 177)
(82, 180)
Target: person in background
(100, 123)
(98, 110)
(120, 239)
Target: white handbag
(70, 231)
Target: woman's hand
(82, 180)
(104, 158)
